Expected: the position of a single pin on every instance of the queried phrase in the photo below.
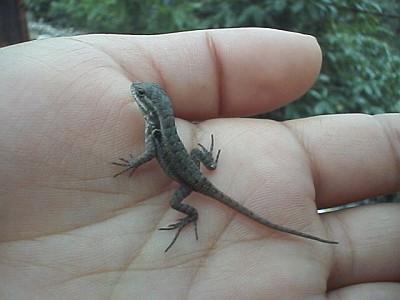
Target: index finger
(228, 72)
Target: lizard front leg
(205, 156)
(135, 162)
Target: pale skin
(69, 230)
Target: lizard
(163, 142)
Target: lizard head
(152, 101)
(150, 96)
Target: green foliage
(360, 70)
(357, 37)
(106, 15)
(363, 78)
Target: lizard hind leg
(176, 203)
(171, 227)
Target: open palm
(69, 230)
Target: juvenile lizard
(163, 142)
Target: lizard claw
(130, 164)
(182, 223)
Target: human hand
(70, 230)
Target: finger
(228, 72)
(368, 291)
(369, 244)
(353, 157)
(356, 157)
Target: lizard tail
(228, 201)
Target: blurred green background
(359, 39)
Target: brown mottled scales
(163, 142)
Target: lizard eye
(140, 92)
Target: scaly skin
(163, 142)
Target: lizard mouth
(139, 103)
